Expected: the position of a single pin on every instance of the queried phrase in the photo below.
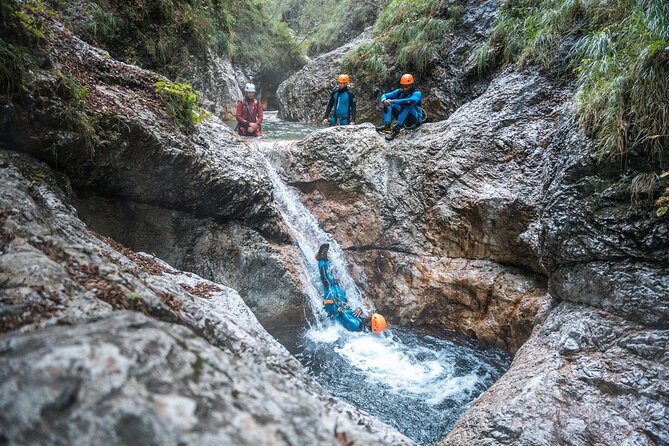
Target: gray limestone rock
(584, 377)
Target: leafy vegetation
(168, 35)
(20, 33)
(182, 104)
(323, 26)
(262, 39)
(408, 37)
(162, 35)
(662, 203)
(617, 50)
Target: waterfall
(408, 378)
(308, 234)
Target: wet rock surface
(127, 146)
(191, 363)
(584, 377)
(217, 82)
(229, 253)
(201, 200)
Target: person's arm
(238, 114)
(328, 109)
(415, 98)
(389, 98)
(260, 114)
(351, 102)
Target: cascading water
(410, 379)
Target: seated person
(405, 105)
(249, 113)
(336, 304)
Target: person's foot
(323, 252)
(385, 126)
(394, 133)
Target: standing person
(249, 113)
(343, 101)
(405, 105)
(336, 304)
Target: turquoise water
(278, 129)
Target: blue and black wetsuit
(335, 302)
(406, 108)
(343, 103)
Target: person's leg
(406, 111)
(326, 276)
(389, 111)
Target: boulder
(200, 200)
(584, 377)
(218, 84)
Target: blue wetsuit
(406, 107)
(335, 302)
(343, 102)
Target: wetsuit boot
(385, 126)
(323, 252)
(394, 133)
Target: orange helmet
(406, 79)
(343, 78)
(378, 323)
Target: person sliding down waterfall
(405, 105)
(336, 304)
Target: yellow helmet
(343, 78)
(406, 79)
(378, 323)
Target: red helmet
(406, 79)
(378, 323)
(343, 78)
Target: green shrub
(367, 61)
(618, 52)
(17, 60)
(182, 104)
(162, 35)
(321, 25)
(408, 37)
(261, 39)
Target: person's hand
(352, 123)
(253, 126)
(388, 101)
(325, 121)
(357, 312)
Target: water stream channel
(409, 378)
